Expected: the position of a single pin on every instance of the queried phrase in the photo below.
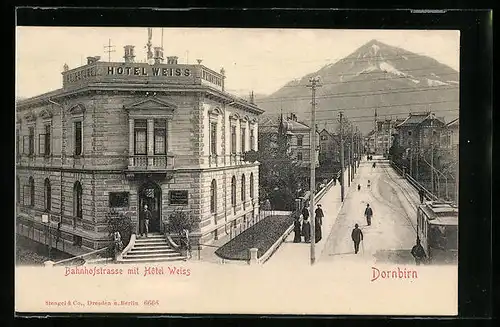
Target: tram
(437, 229)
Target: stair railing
(129, 246)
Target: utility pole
(376, 132)
(432, 153)
(358, 143)
(149, 44)
(348, 164)
(353, 163)
(108, 49)
(341, 158)
(314, 84)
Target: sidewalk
(297, 254)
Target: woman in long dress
(317, 223)
(306, 230)
(298, 231)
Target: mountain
(375, 76)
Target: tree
(279, 173)
(180, 220)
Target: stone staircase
(154, 248)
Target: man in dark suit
(357, 237)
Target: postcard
(236, 171)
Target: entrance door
(150, 195)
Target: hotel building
(119, 135)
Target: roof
(414, 119)
(448, 221)
(453, 123)
(323, 131)
(295, 125)
(440, 212)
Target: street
(391, 235)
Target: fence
(98, 256)
(413, 182)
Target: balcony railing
(153, 162)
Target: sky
(259, 60)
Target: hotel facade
(119, 135)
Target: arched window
(243, 195)
(18, 190)
(233, 191)
(77, 200)
(48, 195)
(213, 196)
(251, 186)
(31, 184)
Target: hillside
(393, 80)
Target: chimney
(92, 60)
(172, 60)
(129, 53)
(158, 56)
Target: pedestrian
(298, 231)
(187, 243)
(146, 218)
(357, 237)
(306, 230)
(118, 242)
(359, 187)
(305, 212)
(317, 223)
(418, 252)
(368, 184)
(334, 181)
(368, 214)
(421, 194)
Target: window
(44, 142)
(118, 199)
(47, 140)
(213, 196)
(299, 156)
(31, 141)
(243, 194)
(300, 139)
(78, 138)
(160, 136)
(18, 141)
(77, 200)
(243, 135)
(213, 138)
(252, 140)
(77, 240)
(140, 136)
(233, 139)
(251, 186)
(233, 191)
(18, 190)
(31, 185)
(48, 195)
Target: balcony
(151, 162)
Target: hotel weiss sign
(117, 71)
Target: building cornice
(131, 88)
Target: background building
(119, 135)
